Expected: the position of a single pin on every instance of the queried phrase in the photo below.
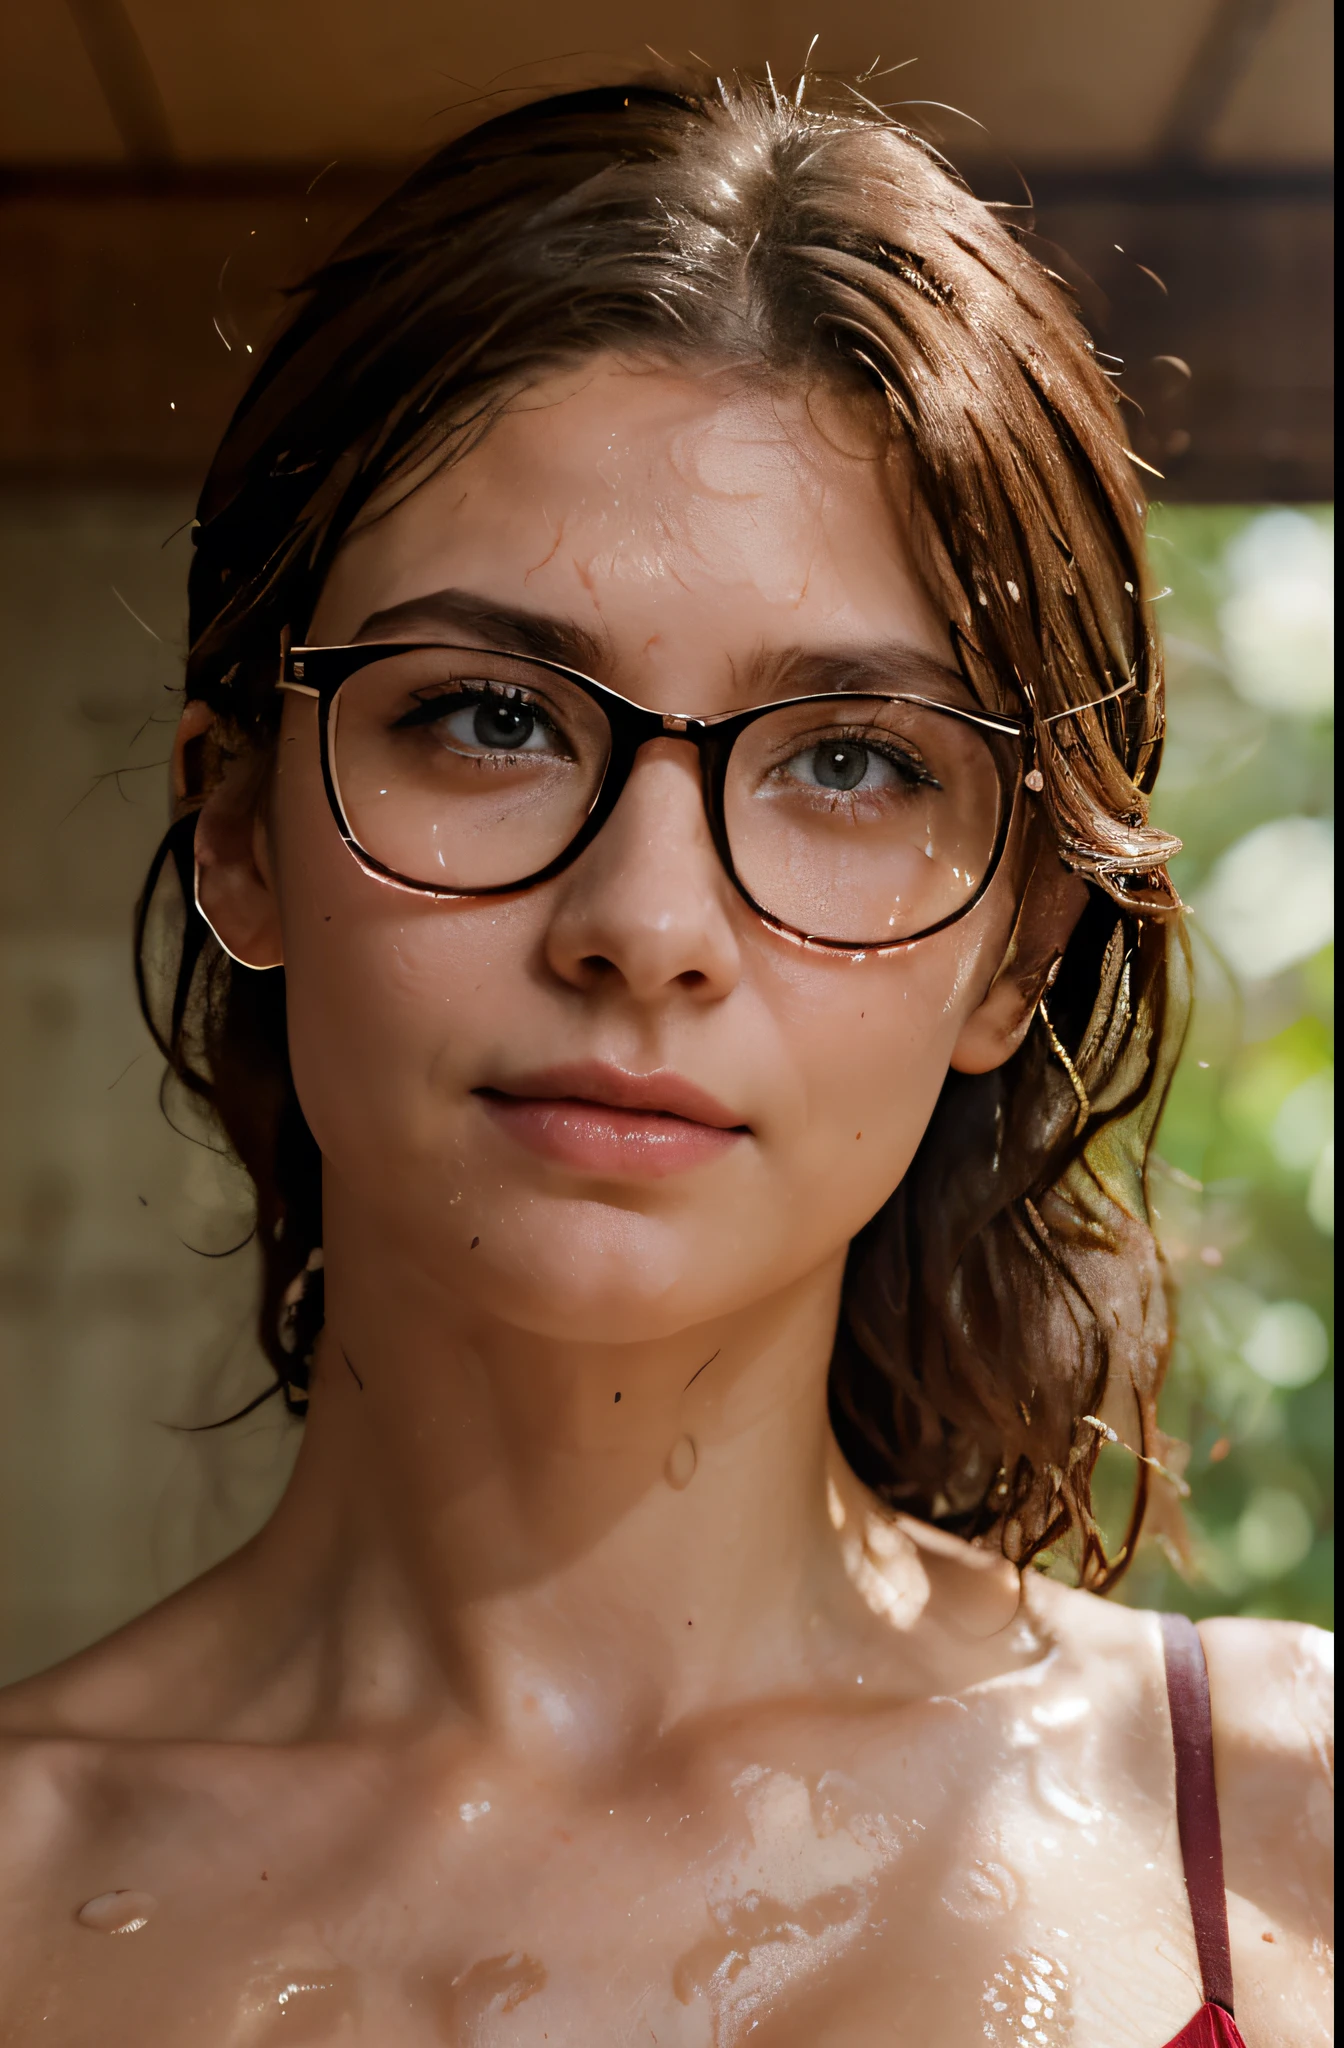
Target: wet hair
(1011, 1283)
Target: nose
(647, 906)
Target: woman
(670, 717)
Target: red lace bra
(1201, 1837)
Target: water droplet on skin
(1060, 1798)
(305, 2003)
(681, 1464)
(118, 1912)
(985, 1892)
(789, 1905)
(1029, 1992)
(1061, 1713)
(465, 2003)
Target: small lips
(657, 1094)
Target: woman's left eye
(844, 765)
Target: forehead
(646, 501)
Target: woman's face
(697, 535)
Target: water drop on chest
(118, 1912)
(681, 1463)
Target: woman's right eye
(490, 723)
(497, 722)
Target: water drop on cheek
(118, 1912)
(681, 1463)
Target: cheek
(872, 1041)
(385, 990)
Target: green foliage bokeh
(1243, 1181)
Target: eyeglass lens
(855, 819)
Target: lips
(602, 1120)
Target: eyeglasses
(850, 822)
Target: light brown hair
(1013, 1276)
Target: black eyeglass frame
(319, 673)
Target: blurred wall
(111, 1330)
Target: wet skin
(575, 1692)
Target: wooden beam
(133, 303)
(137, 308)
(128, 84)
(1237, 289)
(1222, 57)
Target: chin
(595, 1271)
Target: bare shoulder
(174, 1673)
(100, 1692)
(1271, 1685)
(77, 1739)
(49, 1800)
(1272, 1690)
(105, 1750)
(56, 1731)
(1272, 1682)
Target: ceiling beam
(363, 184)
(127, 81)
(140, 311)
(1221, 59)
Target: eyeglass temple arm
(283, 682)
(1093, 703)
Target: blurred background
(165, 168)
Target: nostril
(595, 967)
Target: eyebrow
(793, 672)
(511, 628)
(888, 665)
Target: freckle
(263, 1877)
(1266, 1937)
(857, 1136)
(474, 1242)
(327, 918)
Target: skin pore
(575, 1691)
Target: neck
(571, 1544)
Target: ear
(1052, 903)
(235, 889)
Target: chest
(1004, 1882)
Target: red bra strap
(1197, 1803)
